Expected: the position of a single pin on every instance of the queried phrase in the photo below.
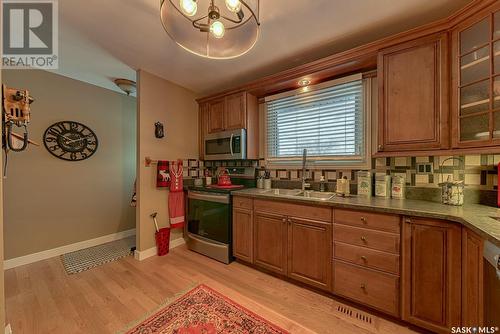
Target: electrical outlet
(424, 168)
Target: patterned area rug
(88, 258)
(205, 311)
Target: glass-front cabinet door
(477, 82)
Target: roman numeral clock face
(70, 141)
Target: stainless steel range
(209, 225)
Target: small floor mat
(85, 259)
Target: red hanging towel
(162, 175)
(176, 195)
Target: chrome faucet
(304, 183)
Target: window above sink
(330, 120)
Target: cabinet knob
(289, 221)
(407, 220)
(381, 147)
(284, 220)
(363, 238)
(363, 286)
(363, 219)
(363, 258)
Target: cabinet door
(243, 234)
(431, 274)
(216, 115)
(476, 80)
(270, 242)
(310, 252)
(413, 95)
(235, 114)
(472, 279)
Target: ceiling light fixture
(226, 29)
(189, 7)
(128, 86)
(304, 82)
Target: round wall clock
(70, 141)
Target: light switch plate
(424, 168)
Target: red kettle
(224, 179)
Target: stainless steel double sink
(307, 194)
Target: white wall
(49, 202)
(175, 107)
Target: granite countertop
(474, 216)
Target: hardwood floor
(41, 298)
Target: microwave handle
(231, 144)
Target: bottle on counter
(260, 182)
(322, 184)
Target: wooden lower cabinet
(426, 272)
(243, 234)
(270, 240)
(309, 252)
(431, 274)
(472, 279)
(370, 287)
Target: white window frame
(338, 162)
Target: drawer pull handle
(363, 286)
(363, 239)
(363, 219)
(363, 258)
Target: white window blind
(328, 122)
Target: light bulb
(189, 7)
(233, 5)
(217, 29)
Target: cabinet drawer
(383, 241)
(378, 221)
(295, 210)
(243, 202)
(366, 257)
(368, 287)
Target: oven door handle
(231, 144)
(209, 197)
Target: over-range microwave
(227, 145)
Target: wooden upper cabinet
(231, 112)
(216, 111)
(413, 95)
(431, 274)
(202, 128)
(476, 80)
(227, 113)
(235, 113)
(310, 252)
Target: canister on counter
(364, 183)
(383, 186)
(398, 187)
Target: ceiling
(102, 40)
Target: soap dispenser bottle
(322, 184)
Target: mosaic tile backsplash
(422, 174)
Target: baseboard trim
(47, 254)
(142, 255)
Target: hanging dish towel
(176, 195)
(162, 175)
